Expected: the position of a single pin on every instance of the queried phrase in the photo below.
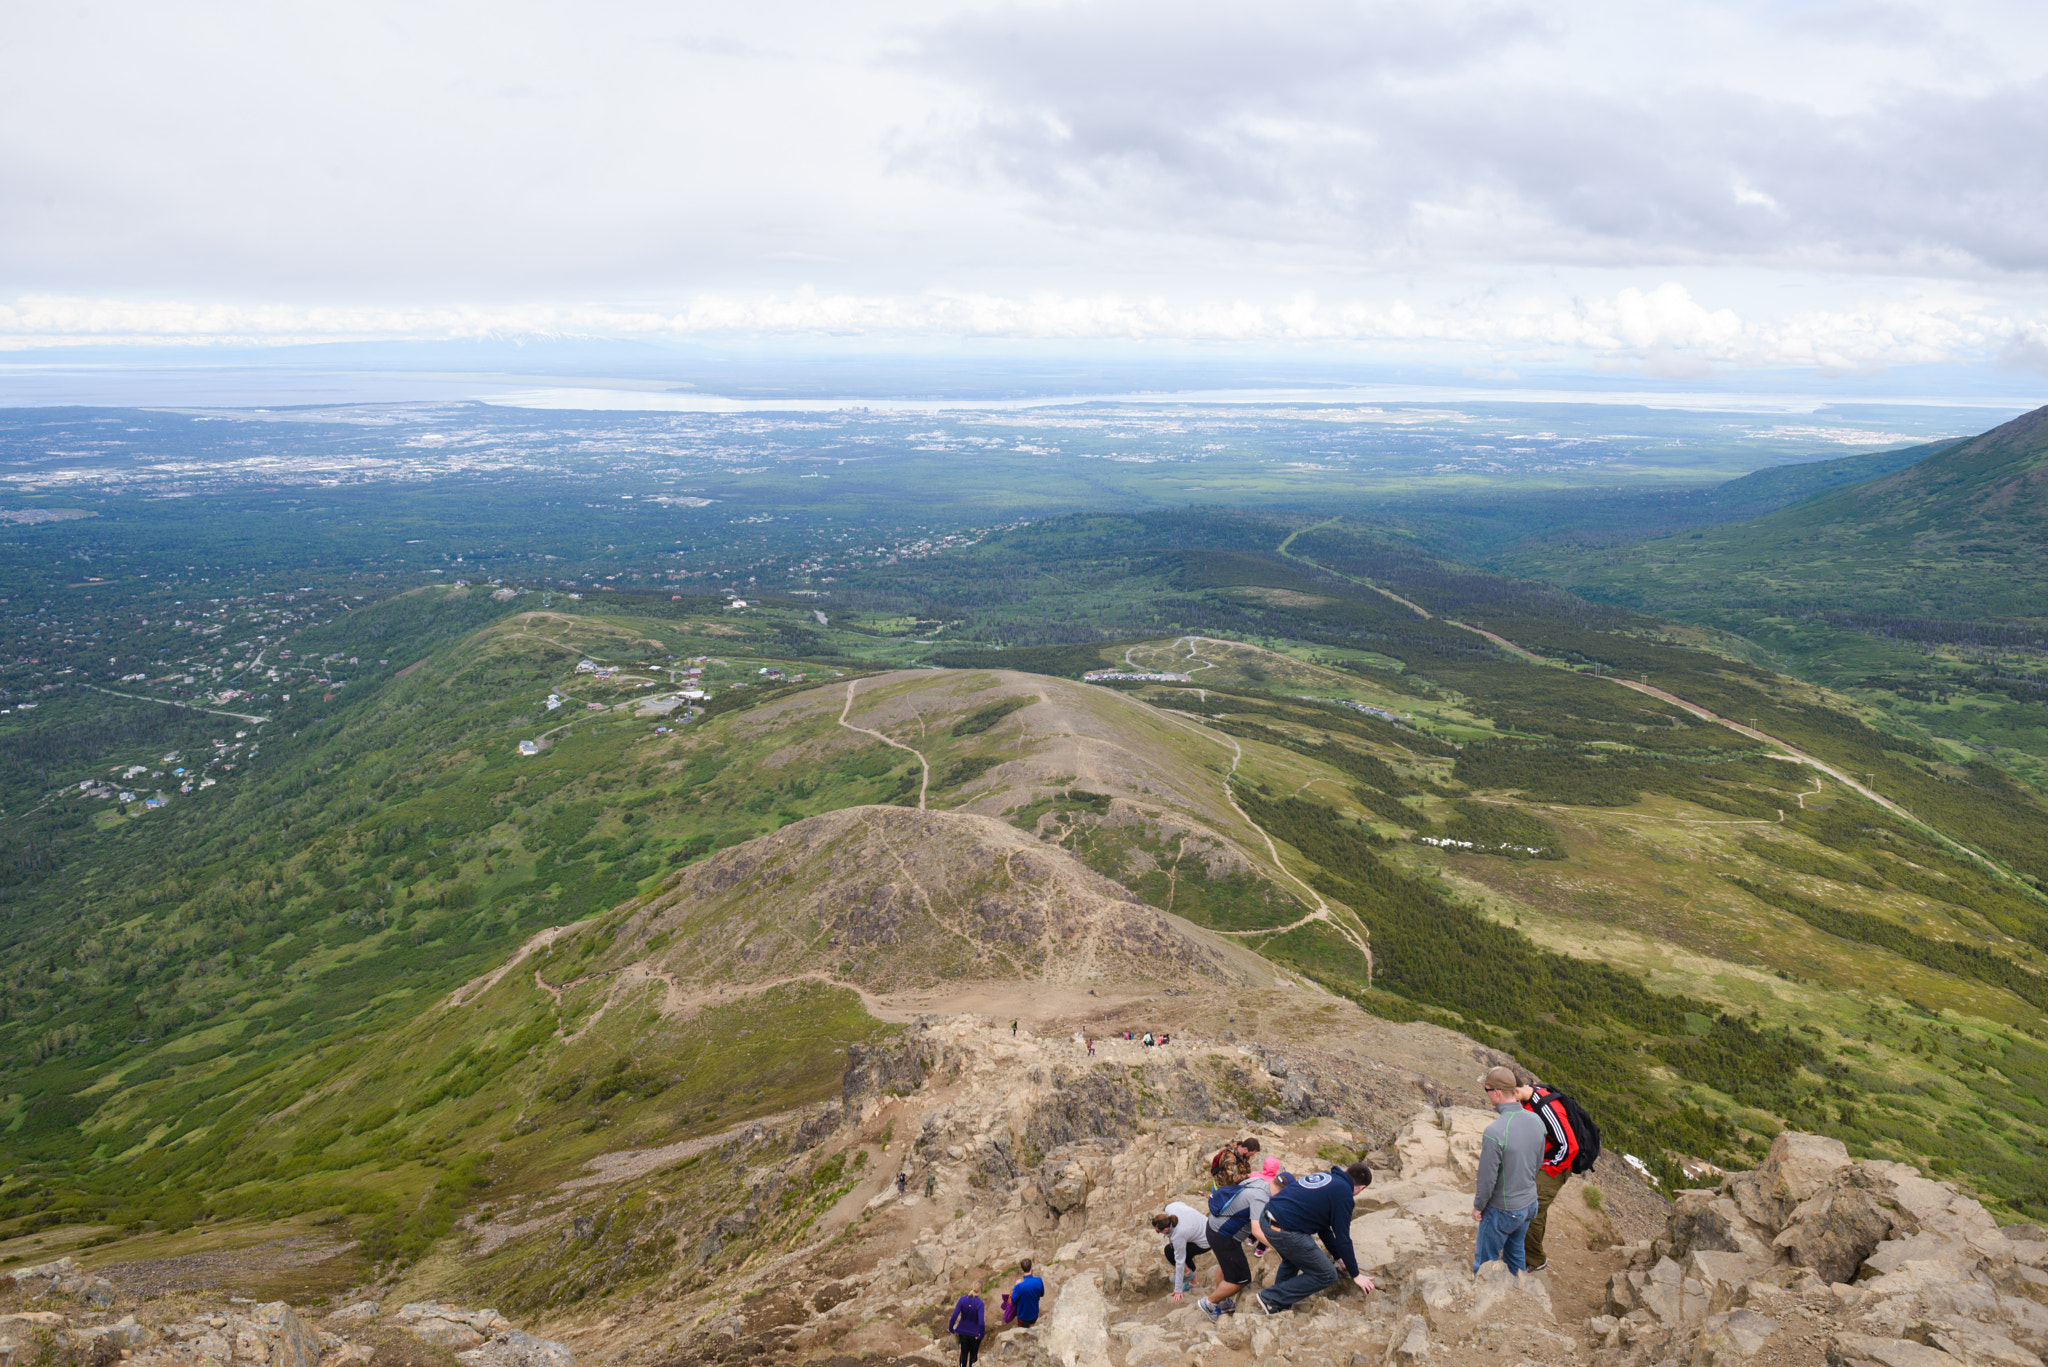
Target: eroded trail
(924, 782)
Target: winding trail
(924, 783)
(1790, 753)
(1323, 911)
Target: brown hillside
(890, 898)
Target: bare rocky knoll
(891, 898)
(1015, 1146)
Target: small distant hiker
(931, 1184)
(1187, 1238)
(902, 1181)
(968, 1324)
(1308, 1223)
(1560, 1161)
(1013, 1029)
(1234, 1213)
(1024, 1296)
(1091, 1044)
(1504, 1195)
(1148, 1039)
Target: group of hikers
(969, 1320)
(1538, 1139)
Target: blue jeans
(1304, 1268)
(1500, 1237)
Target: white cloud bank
(1664, 329)
(1844, 184)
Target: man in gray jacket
(1510, 1154)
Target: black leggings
(970, 1349)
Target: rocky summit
(1012, 1145)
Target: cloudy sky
(1660, 189)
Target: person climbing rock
(1303, 1212)
(968, 1324)
(1233, 1162)
(1233, 1212)
(1187, 1238)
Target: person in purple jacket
(968, 1324)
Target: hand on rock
(1365, 1284)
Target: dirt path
(1415, 608)
(1791, 753)
(1323, 911)
(924, 783)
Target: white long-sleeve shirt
(1190, 1229)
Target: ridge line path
(1322, 910)
(924, 764)
(1792, 753)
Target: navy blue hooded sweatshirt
(1319, 1204)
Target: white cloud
(1848, 184)
(1665, 329)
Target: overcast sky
(1663, 188)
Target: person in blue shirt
(1024, 1296)
(1312, 1208)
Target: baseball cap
(1500, 1080)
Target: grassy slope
(1873, 588)
(299, 998)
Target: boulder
(1799, 1165)
(291, 1342)
(2017, 1279)
(1977, 1346)
(1076, 1329)
(448, 1326)
(1409, 1347)
(514, 1349)
(359, 1312)
(1861, 1348)
(1834, 1231)
(1728, 1340)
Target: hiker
(1148, 1039)
(968, 1324)
(1510, 1153)
(1187, 1231)
(1234, 1213)
(902, 1180)
(1025, 1294)
(1091, 1046)
(1013, 1029)
(1560, 1153)
(1302, 1212)
(931, 1184)
(1233, 1162)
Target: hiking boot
(1214, 1312)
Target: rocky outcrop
(1873, 1260)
